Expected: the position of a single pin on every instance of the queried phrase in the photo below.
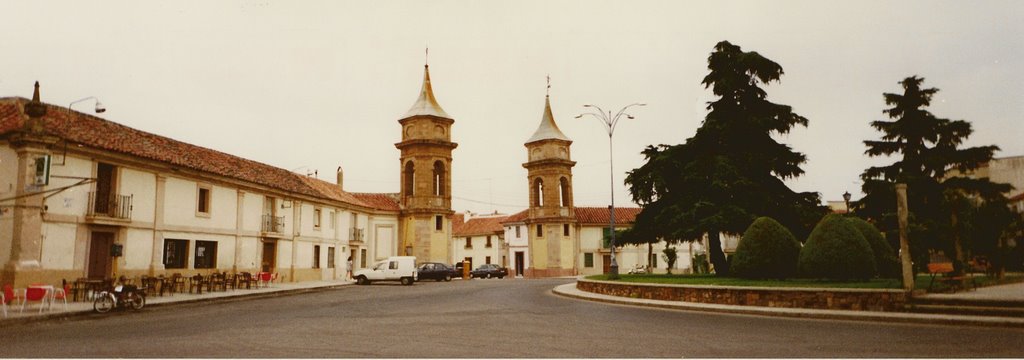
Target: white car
(395, 268)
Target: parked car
(436, 271)
(395, 268)
(487, 271)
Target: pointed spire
(426, 104)
(35, 108)
(548, 129)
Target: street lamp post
(609, 123)
(846, 198)
(99, 106)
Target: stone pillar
(157, 264)
(26, 244)
(239, 223)
(296, 232)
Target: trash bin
(465, 269)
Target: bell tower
(425, 167)
(551, 217)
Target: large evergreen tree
(930, 149)
(732, 170)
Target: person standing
(349, 269)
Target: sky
(313, 85)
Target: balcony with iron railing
(272, 224)
(112, 206)
(356, 234)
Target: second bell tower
(551, 219)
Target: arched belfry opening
(409, 179)
(439, 178)
(538, 193)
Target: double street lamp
(609, 123)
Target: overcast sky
(317, 85)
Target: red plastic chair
(266, 278)
(35, 294)
(62, 295)
(10, 295)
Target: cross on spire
(549, 86)
(426, 56)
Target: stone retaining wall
(808, 298)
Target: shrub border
(776, 297)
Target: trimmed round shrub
(767, 251)
(885, 258)
(836, 250)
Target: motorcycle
(120, 296)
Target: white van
(395, 268)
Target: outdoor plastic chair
(265, 278)
(62, 295)
(12, 295)
(35, 294)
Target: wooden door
(606, 263)
(519, 263)
(269, 262)
(99, 255)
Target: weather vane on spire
(426, 56)
(549, 85)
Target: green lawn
(921, 281)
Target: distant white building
(479, 239)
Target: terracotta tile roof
(458, 220)
(599, 215)
(517, 217)
(331, 191)
(379, 201)
(480, 226)
(79, 128)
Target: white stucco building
(479, 239)
(119, 201)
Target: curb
(216, 299)
(570, 291)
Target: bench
(943, 271)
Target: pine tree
(732, 170)
(930, 149)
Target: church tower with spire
(425, 221)
(551, 216)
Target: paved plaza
(475, 318)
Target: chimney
(341, 177)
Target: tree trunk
(716, 254)
(650, 253)
(958, 247)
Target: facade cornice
(426, 143)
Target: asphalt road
(479, 319)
